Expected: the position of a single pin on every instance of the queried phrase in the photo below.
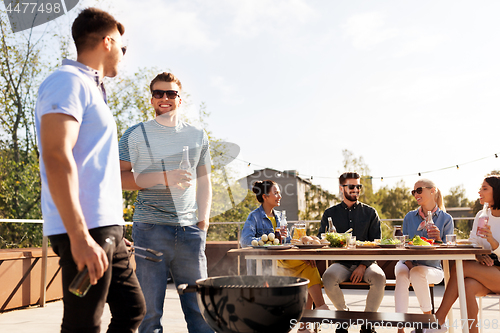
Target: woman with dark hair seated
(264, 220)
(482, 276)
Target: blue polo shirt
(75, 90)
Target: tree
(357, 164)
(395, 202)
(457, 197)
(21, 71)
(238, 213)
(317, 201)
(23, 65)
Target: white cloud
(169, 25)
(418, 86)
(254, 17)
(421, 43)
(228, 92)
(367, 30)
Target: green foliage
(237, 214)
(20, 190)
(20, 235)
(317, 201)
(394, 203)
(129, 98)
(463, 228)
(457, 197)
(21, 71)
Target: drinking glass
(401, 240)
(298, 230)
(351, 242)
(451, 240)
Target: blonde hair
(438, 197)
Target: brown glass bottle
(81, 283)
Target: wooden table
(444, 253)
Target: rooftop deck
(47, 319)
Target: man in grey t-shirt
(169, 197)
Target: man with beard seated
(365, 224)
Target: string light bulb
(381, 178)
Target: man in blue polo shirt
(80, 173)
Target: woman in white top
(482, 276)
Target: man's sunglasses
(124, 48)
(418, 190)
(171, 94)
(352, 187)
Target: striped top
(160, 205)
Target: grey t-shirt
(160, 205)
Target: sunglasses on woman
(171, 94)
(352, 187)
(418, 190)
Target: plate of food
(366, 244)
(309, 242)
(461, 246)
(310, 246)
(421, 247)
(273, 247)
(465, 245)
(389, 243)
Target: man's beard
(351, 197)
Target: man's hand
(433, 232)
(203, 225)
(179, 179)
(358, 273)
(87, 253)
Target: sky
(410, 86)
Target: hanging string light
(370, 177)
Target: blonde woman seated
(264, 220)
(482, 276)
(421, 273)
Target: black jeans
(118, 287)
